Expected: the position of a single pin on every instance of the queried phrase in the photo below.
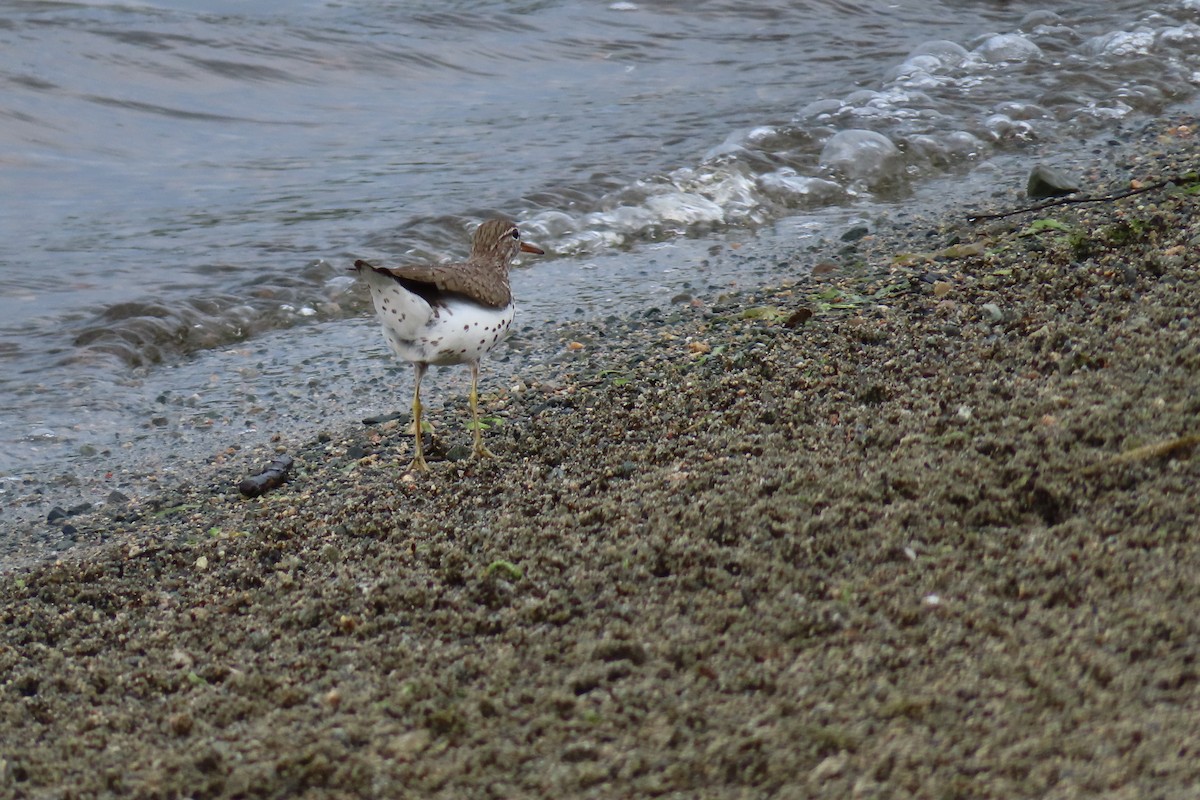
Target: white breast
(456, 332)
(462, 331)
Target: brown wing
(485, 286)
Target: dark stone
(274, 476)
(619, 650)
(379, 420)
(1047, 181)
(460, 452)
(798, 318)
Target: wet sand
(922, 524)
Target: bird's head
(500, 240)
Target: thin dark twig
(1065, 201)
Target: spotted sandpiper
(445, 314)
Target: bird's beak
(528, 248)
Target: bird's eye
(516, 234)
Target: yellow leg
(480, 450)
(418, 463)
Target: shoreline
(872, 531)
(47, 505)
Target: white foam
(1120, 44)
(865, 156)
(1007, 47)
(800, 191)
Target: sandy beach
(920, 524)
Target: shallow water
(185, 185)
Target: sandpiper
(445, 314)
